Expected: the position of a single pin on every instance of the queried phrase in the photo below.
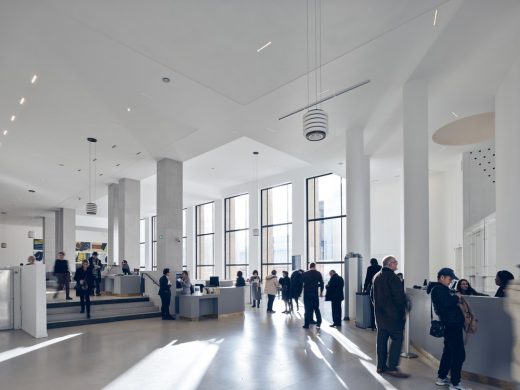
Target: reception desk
(228, 300)
(488, 352)
(122, 284)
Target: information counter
(122, 284)
(226, 301)
(488, 352)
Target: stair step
(53, 317)
(100, 320)
(95, 302)
(96, 308)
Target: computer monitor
(214, 281)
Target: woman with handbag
(256, 289)
(271, 289)
(84, 280)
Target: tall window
(205, 238)
(184, 240)
(236, 228)
(154, 243)
(142, 243)
(326, 222)
(276, 225)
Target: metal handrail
(152, 279)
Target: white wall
(19, 246)
(91, 235)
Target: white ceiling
(94, 59)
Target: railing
(152, 279)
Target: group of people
(165, 285)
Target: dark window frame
(226, 231)
(197, 235)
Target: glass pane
(267, 268)
(237, 212)
(184, 252)
(184, 222)
(279, 205)
(233, 269)
(203, 273)
(311, 241)
(154, 228)
(237, 247)
(328, 196)
(142, 230)
(142, 255)
(265, 240)
(310, 198)
(205, 218)
(278, 244)
(154, 256)
(326, 268)
(265, 197)
(205, 253)
(343, 196)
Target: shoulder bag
(437, 327)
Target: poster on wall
(38, 249)
(84, 250)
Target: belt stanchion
(407, 354)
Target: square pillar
(129, 207)
(66, 234)
(113, 231)
(49, 241)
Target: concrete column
(49, 241)
(65, 225)
(254, 223)
(129, 207)
(148, 244)
(113, 232)
(415, 219)
(219, 239)
(507, 143)
(169, 214)
(358, 208)
(190, 241)
(299, 242)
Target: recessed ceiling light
(455, 115)
(263, 47)
(79, 170)
(13, 118)
(166, 79)
(128, 109)
(340, 163)
(22, 100)
(138, 153)
(118, 165)
(435, 17)
(114, 146)
(34, 78)
(5, 132)
(31, 191)
(100, 174)
(61, 165)
(212, 169)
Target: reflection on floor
(257, 351)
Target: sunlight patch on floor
(12, 353)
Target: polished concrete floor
(255, 351)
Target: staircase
(63, 314)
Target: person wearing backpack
(446, 305)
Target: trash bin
(363, 317)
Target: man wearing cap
(446, 305)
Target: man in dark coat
(335, 295)
(373, 269)
(446, 305)
(390, 307)
(96, 266)
(312, 282)
(297, 286)
(166, 295)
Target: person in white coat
(272, 286)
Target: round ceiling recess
(473, 129)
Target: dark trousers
(372, 316)
(312, 305)
(84, 298)
(270, 301)
(395, 348)
(336, 312)
(453, 355)
(97, 283)
(297, 303)
(63, 283)
(165, 305)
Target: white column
(415, 183)
(113, 232)
(254, 223)
(358, 208)
(148, 244)
(66, 234)
(169, 214)
(507, 144)
(49, 241)
(129, 207)
(219, 239)
(190, 241)
(298, 222)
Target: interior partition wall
(142, 243)
(236, 230)
(276, 226)
(184, 241)
(326, 223)
(205, 241)
(154, 243)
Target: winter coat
(271, 285)
(335, 289)
(285, 282)
(296, 284)
(445, 304)
(371, 272)
(389, 300)
(256, 288)
(512, 305)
